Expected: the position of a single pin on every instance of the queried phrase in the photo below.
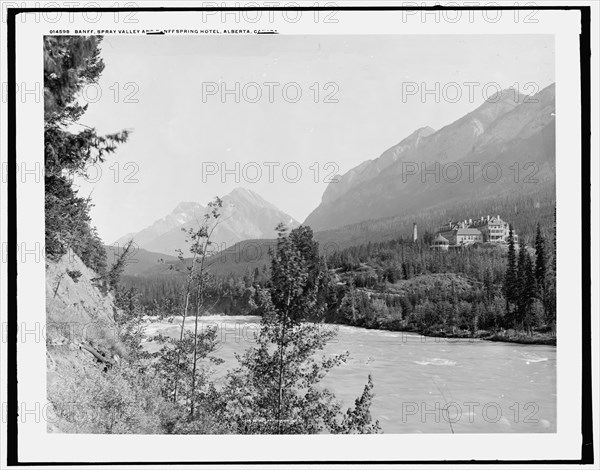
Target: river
(422, 384)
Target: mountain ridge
(507, 129)
(245, 214)
(371, 168)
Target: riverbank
(523, 338)
(507, 336)
(504, 336)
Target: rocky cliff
(81, 334)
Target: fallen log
(99, 356)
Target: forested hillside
(100, 379)
(397, 284)
(523, 212)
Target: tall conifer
(510, 280)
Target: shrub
(75, 274)
(118, 401)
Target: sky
(359, 96)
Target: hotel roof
(468, 231)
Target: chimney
(414, 232)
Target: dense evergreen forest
(524, 210)
(498, 291)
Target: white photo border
(36, 445)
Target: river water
(422, 384)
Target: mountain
(184, 213)
(245, 215)
(372, 168)
(505, 146)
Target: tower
(414, 232)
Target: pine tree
(529, 292)
(521, 286)
(551, 283)
(526, 288)
(276, 388)
(510, 280)
(70, 63)
(488, 286)
(541, 268)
